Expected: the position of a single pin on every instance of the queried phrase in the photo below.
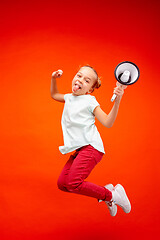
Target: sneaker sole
(127, 206)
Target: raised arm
(54, 90)
(108, 120)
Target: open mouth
(76, 87)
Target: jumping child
(81, 136)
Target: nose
(80, 80)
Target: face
(83, 81)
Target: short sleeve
(66, 96)
(93, 104)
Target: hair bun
(98, 83)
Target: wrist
(117, 102)
(53, 78)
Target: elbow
(53, 96)
(109, 125)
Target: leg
(62, 178)
(82, 166)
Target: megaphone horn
(126, 73)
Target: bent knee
(61, 185)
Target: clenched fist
(57, 74)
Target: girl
(81, 135)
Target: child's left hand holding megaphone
(126, 74)
(119, 91)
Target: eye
(78, 75)
(87, 81)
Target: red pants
(77, 169)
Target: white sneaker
(119, 197)
(111, 205)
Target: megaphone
(126, 73)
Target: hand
(57, 74)
(119, 91)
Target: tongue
(75, 88)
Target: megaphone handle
(113, 97)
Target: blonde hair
(97, 84)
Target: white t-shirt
(78, 123)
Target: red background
(38, 37)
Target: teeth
(77, 83)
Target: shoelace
(110, 203)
